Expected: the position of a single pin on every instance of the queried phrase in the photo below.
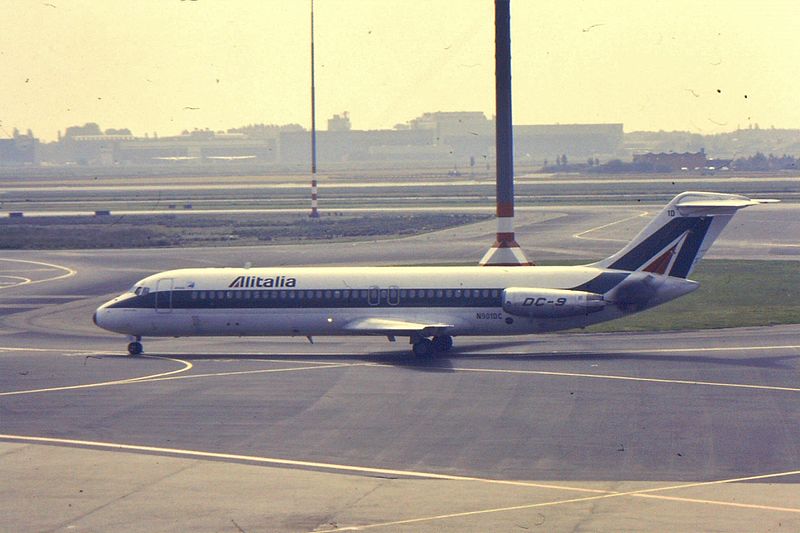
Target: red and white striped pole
(314, 212)
(505, 251)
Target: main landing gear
(424, 347)
(135, 347)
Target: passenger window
(194, 295)
(337, 294)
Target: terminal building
(438, 139)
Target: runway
(236, 194)
(588, 432)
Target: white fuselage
(343, 300)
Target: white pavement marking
(260, 371)
(19, 280)
(622, 378)
(187, 366)
(68, 272)
(62, 351)
(294, 463)
(581, 234)
(597, 493)
(715, 349)
(643, 493)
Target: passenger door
(164, 295)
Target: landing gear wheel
(423, 348)
(135, 348)
(443, 343)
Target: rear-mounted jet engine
(550, 303)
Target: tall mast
(314, 213)
(505, 251)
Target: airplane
(428, 304)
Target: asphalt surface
(680, 431)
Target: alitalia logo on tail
(259, 282)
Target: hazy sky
(169, 65)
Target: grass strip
(732, 294)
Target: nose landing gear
(135, 347)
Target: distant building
(673, 161)
(459, 138)
(577, 141)
(453, 123)
(339, 122)
(21, 149)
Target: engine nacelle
(550, 303)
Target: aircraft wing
(391, 326)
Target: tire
(423, 348)
(135, 348)
(443, 343)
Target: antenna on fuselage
(505, 251)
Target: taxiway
(598, 432)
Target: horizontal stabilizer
(716, 207)
(391, 326)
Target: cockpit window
(138, 291)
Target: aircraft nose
(99, 317)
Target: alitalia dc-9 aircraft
(429, 305)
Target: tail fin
(675, 240)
